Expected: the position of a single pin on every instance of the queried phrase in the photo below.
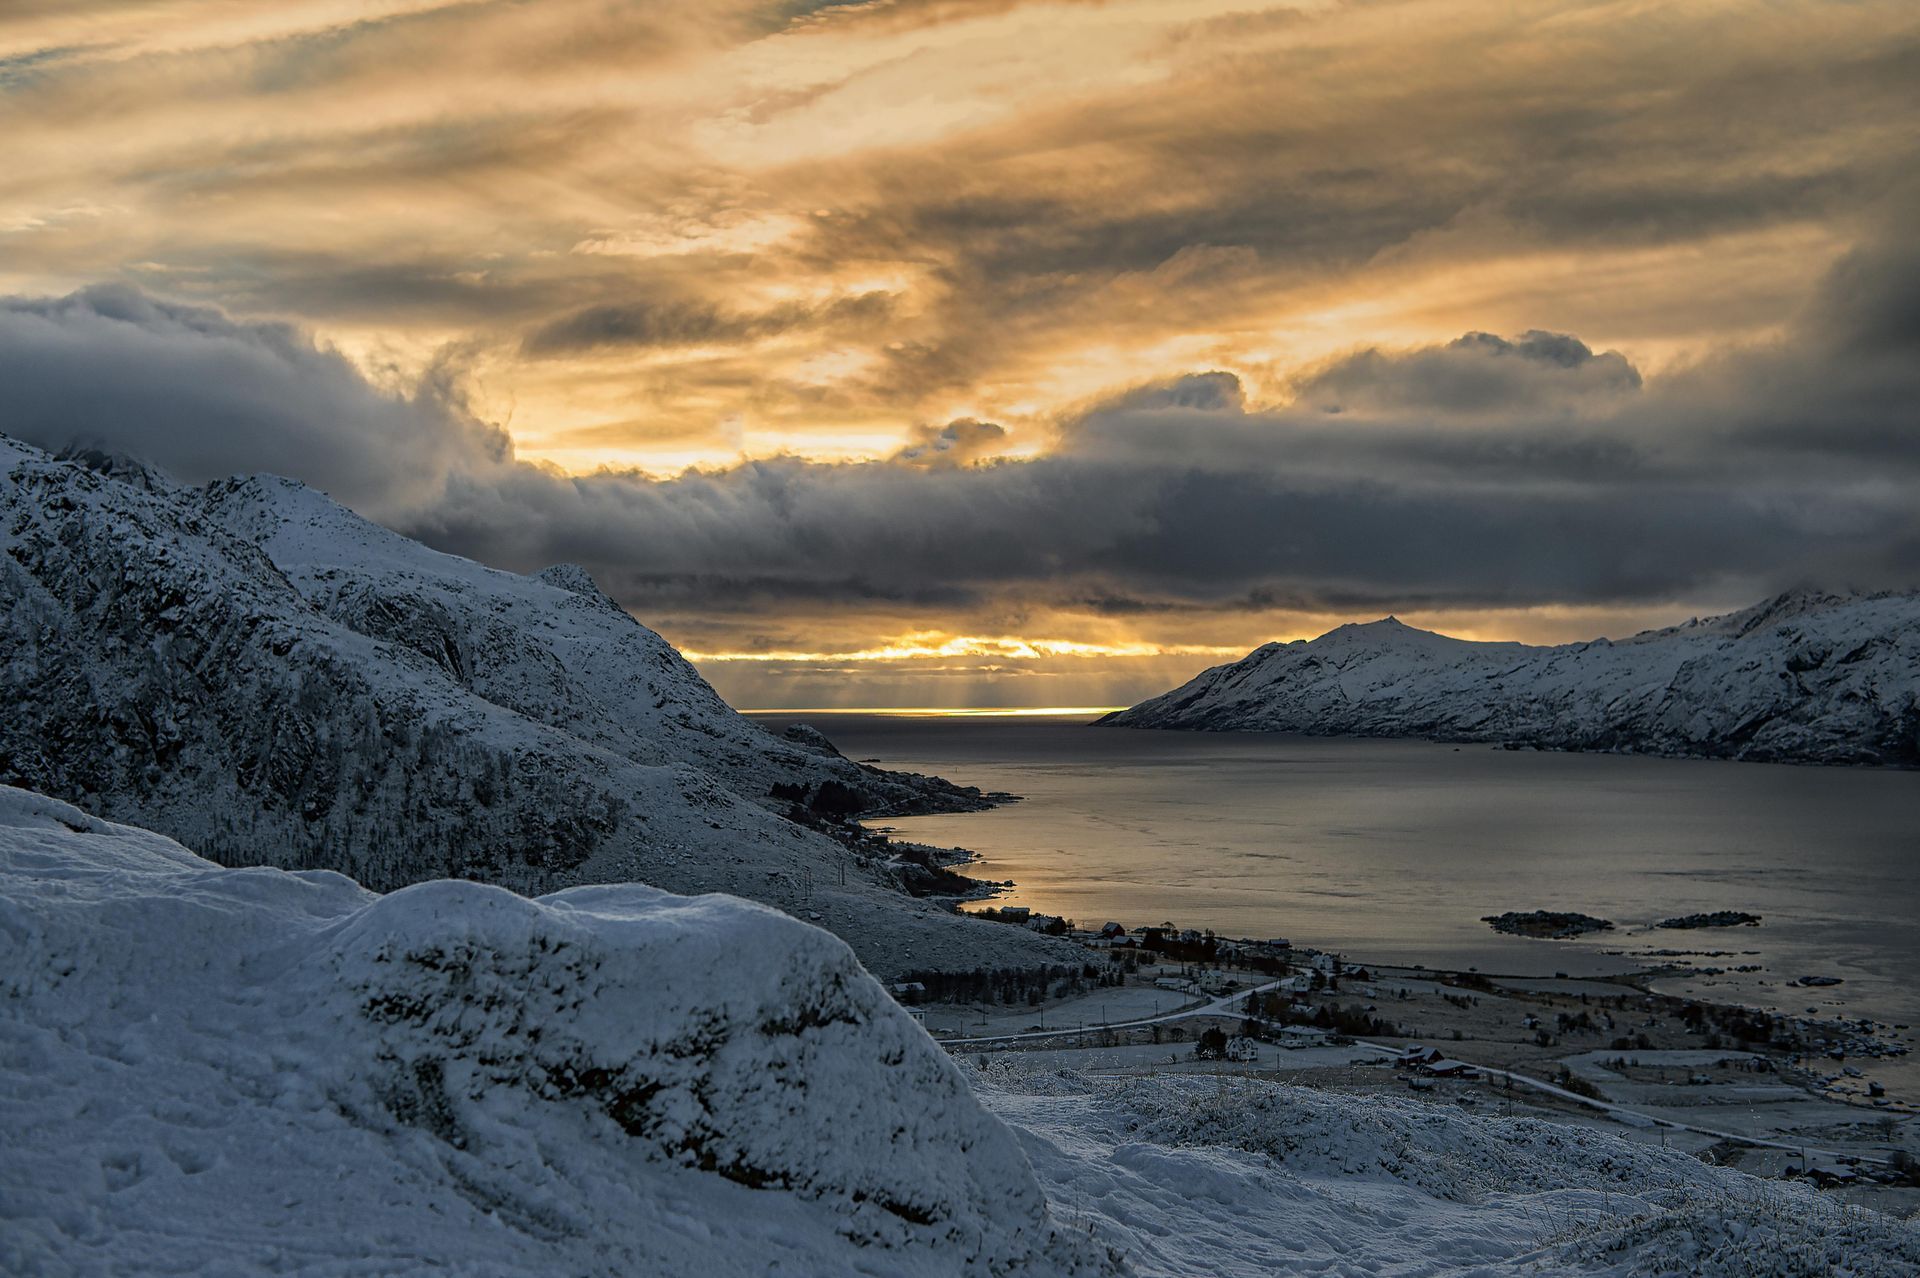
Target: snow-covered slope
(550, 647)
(246, 1071)
(1237, 1178)
(1804, 677)
(207, 1070)
(403, 715)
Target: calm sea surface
(1393, 850)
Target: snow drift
(1804, 677)
(207, 1070)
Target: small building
(1015, 913)
(1448, 1068)
(1112, 930)
(1300, 1035)
(1242, 1049)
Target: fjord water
(1394, 850)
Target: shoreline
(1819, 1033)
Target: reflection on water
(1393, 850)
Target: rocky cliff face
(1805, 677)
(259, 673)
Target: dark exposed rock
(1718, 918)
(1550, 924)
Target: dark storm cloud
(639, 324)
(1475, 374)
(203, 396)
(958, 443)
(1487, 471)
(690, 323)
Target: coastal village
(1772, 1095)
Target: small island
(1719, 918)
(1553, 925)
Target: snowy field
(221, 1072)
(1232, 1177)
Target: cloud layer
(662, 233)
(1483, 473)
(1188, 324)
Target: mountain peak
(574, 579)
(1385, 629)
(116, 465)
(1785, 606)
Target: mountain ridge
(259, 673)
(1805, 676)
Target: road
(1225, 1005)
(1219, 1006)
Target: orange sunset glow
(833, 338)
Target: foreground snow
(1803, 677)
(206, 1071)
(213, 1071)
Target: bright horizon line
(946, 712)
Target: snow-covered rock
(1237, 1177)
(220, 1071)
(259, 673)
(1804, 677)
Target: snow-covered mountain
(550, 647)
(261, 674)
(239, 1071)
(207, 1070)
(1804, 677)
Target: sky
(990, 353)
